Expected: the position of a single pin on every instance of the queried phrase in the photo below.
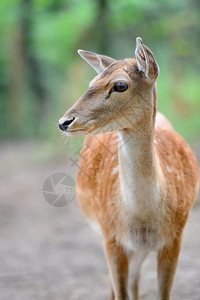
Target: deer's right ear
(146, 62)
(96, 61)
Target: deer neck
(138, 165)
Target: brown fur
(138, 182)
(99, 188)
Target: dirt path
(51, 253)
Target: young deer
(137, 178)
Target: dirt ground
(49, 252)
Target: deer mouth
(76, 132)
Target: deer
(137, 177)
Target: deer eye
(120, 87)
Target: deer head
(118, 97)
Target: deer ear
(146, 61)
(96, 61)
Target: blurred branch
(16, 87)
(25, 70)
(98, 31)
(32, 65)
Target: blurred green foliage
(42, 75)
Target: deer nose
(64, 125)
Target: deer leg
(137, 259)
(112, 295)
(118, 266)
(167, 263)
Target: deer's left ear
(146, 62)
(96, 61)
